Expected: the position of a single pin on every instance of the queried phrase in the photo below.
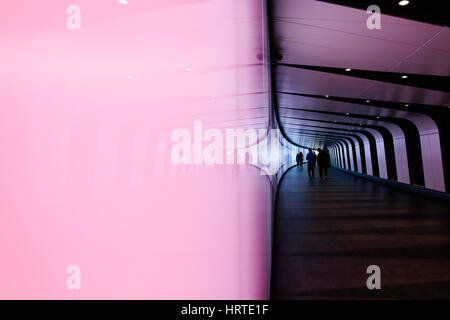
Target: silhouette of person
(311, 158)
(323, 161)
(299, 158)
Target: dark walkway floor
(328, 233)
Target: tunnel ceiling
(397, 72)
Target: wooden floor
(328, 232)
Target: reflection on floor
(328, 232)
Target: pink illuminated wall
(86, 177)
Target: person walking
(311, 158)
(299, 158)
(323, 161)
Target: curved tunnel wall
(392, 152)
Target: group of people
(322, 159)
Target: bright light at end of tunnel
(404, 77)
(403, 3)
(348, 69)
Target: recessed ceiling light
(403, 3)
(123, 1)
(404, 77)
(348, 69)
(188, 69)
(378, 117)
(367, 100)
(406, 105)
